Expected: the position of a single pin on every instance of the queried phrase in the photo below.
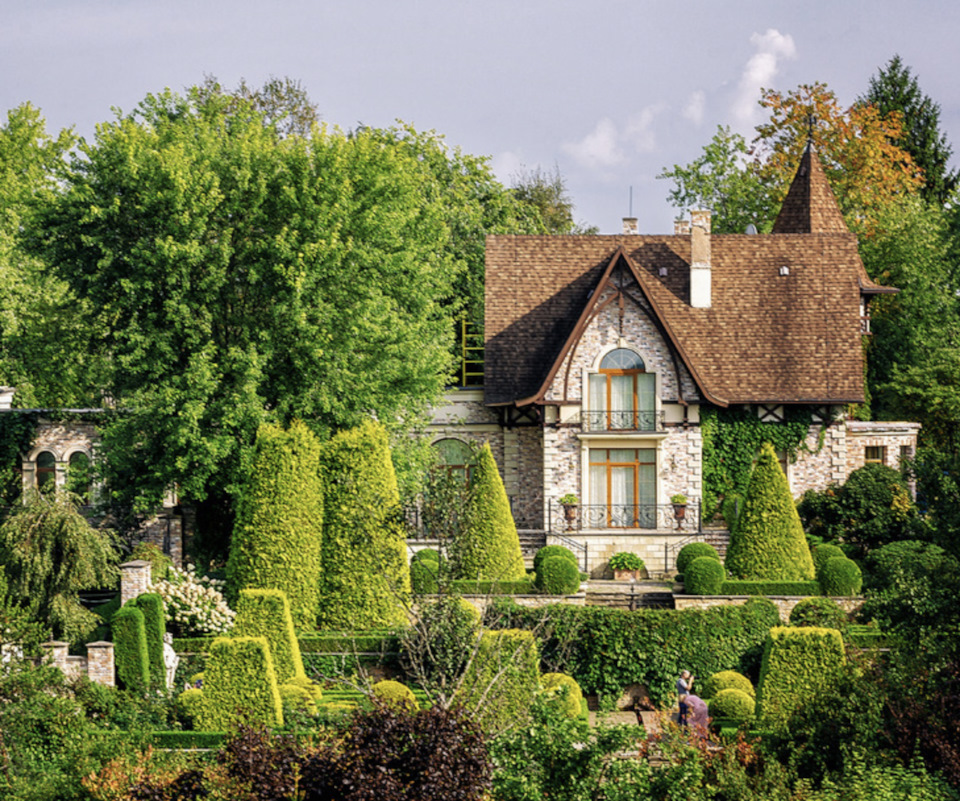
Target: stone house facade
(601, 352)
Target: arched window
(622, 394)
(46, 470)
(456, 456)
(79, 479)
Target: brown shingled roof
(810, 206)
(767, 337)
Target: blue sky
(611, 92)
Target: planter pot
(626, 575)
(679, 511)
(570, 512)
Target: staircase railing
(579, 548)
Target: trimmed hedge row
(792, 588)
(470, 587)
(331, 643)
(607, 649)
(187, 739)
(239, 675)
(130, 648)
(266, 613)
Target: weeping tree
(50, 552)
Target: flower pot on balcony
(570, 512)
(679, 511)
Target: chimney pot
(630, 226)
(681, 227)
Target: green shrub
(191, 702)
(160, 563)
(726, 680)
(733, 704)
(396, 695)
(522, 586)
(563, 690)
(730, 508)
(558, 576)
(704, 576)
(502, 679)
(277, 538)
(424, 576)
(131, 654)
(694, 550)
(824, 552)
(789, 588)
(426, 554)
(155, 626)
(765, 611)
(554, 550)
(366, 578)
(896, 561)
(296, 697)
(819, 611)
(796, 663)
(187, 739)
(841, 577)
(435, 651)
(489, 547)
(266, 613)
(769, 543)
(240, 685)
(625, 560)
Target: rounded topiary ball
(726, 680)
(704, 576)
(732, 704)
(694, 550)
(553, 550)
(841, 576)
(822, 553)
(424, 574)
(558, 576)
(395, 695)
(430, 554)
(818, 611)
(552, 684)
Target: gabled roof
(766, 338)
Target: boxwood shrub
(239, 683)
(841, 577)
(553, 550)
(131, 654)
(563, 689)
(694, 550)
(824, 552)
(424, 576)
(732, 704)
(502, 679)
(704, 576)
(818, 611)
(558, 576)
(395, 694)
(726, 680)
(797, 662)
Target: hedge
(732, 704)
(789, 588)
(558, 576)
(606, 649)
(553, 550)
(396, 695)
(187, 739)
(425, 576)
(266, 613)
(155, 626)
(819, 611)
(502, 679)
(131, 654)
(277, 538)
(797, 662)
(366, 578)
(726, 680)
(694, 550)
(841, 577)
(240, 685)
(523, 586)
(768, 542)
(488, 547)
(704, 576)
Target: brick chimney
(700, 278)
(631, 226)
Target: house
(603, 355)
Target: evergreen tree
(895, 89)
(365, 582)
(279, 530)
(489, 547)
(769, 543)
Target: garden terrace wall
(783, 603)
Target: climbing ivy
(17, 432)
(732, 438)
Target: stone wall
(97, 665)
(783, 603)
(818, 467)
(896, 440)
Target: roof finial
(811, 126)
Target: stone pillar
(58, 652)
(134, 579)
(100, 666)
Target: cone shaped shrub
(489, 548)
(365, 582)
(769, 543)
(239, 685)
(278, 534)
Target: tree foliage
(546, 192)
(894, 89)
(50, 552)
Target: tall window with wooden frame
(623, 487)
(622, 394)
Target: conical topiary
(769, 543)
(488, 547)
(365, 581)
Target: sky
(611, 93)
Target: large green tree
(894, 89)
(237, 274)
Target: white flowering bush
(195, 605)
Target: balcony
(631, 420)
(661, 517)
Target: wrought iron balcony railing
(651, 516)
(622, 421)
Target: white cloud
(599, 148)
(639, 129)
(771, 48)
(694, 109)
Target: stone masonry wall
(892, 437)
(783, 603)
(817, 469)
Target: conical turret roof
(810, 206)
